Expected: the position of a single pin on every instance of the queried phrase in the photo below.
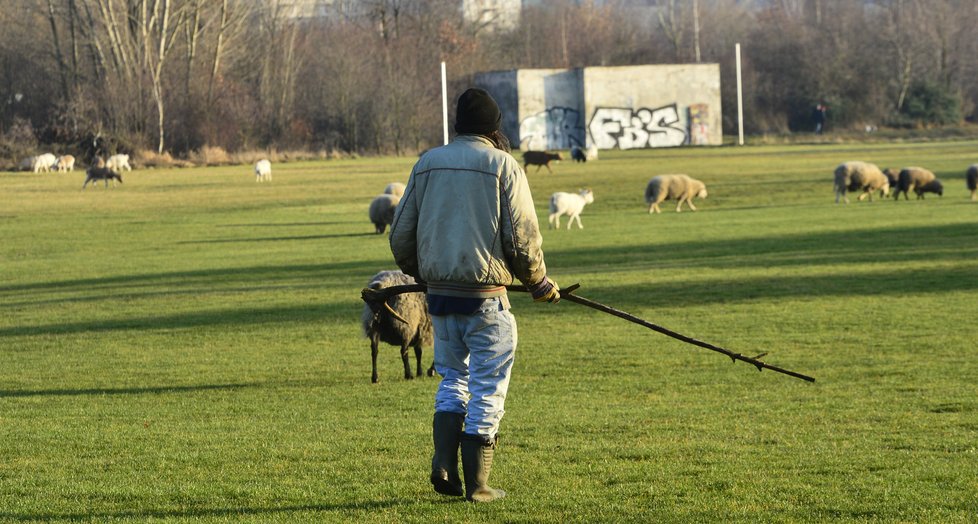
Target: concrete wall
(611, 107)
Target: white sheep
(673, 187)
(382, 327)
(579, 154)
(860, 176)
(382, 210)
(66, 163)
(263, 170)
(971, 177)
(913, 179)
(44, 162)
(569, 204)
(592, 152)
(394, 188)
(118, 163)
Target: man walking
(467, 227)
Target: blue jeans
(474, 355)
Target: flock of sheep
(101, 170)
(867, 179)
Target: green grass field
(186, 347)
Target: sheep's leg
(417, 355)
(550, 221)
(555, 220)
(407, 362)
(374, 343)
(575, 217)
(548, 168)
(690, 203)
(679, 207)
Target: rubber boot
(446, 429)
(477, 452)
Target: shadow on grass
(124, 391)
(194, 319)
(767, 288)
(203, 512)
(278, 239)
(316, 273)
(852, 247)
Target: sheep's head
(588, 195)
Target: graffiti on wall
(699, 127)
(555, 128)
(626, 128)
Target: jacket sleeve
(404, 231)
(519, 229)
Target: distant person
(818, 116)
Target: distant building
(629, 107)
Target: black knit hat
(477, 113)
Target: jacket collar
(474, 138)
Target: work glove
(545, 291)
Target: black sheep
(382, 327)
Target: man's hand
(545, 291)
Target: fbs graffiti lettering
(626, 128)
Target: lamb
(577, 154)
(394, 188)
(971, 177)
(263, 170)
(65, 163)
(912, 179)
(934, 186)
(668, 187)
(860, 176)
(382, 210)
(540, 159)
(382, 327)
(101, 173)
(44, 163)
(118, 163)
(569, 204)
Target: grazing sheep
(934, 186)
(394, 188)
(382, 211)
(118, 163)
(911, 179)
(44, 163)
(577, 154)
(94, 174)
(860, 176)
(679, 187)
(263, 170)
(540, 159)
(972, 179)
(382, 327)
(592, 152)
(66, 163)
(569, 204)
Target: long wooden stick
(377, 298)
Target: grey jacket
(466, 223)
